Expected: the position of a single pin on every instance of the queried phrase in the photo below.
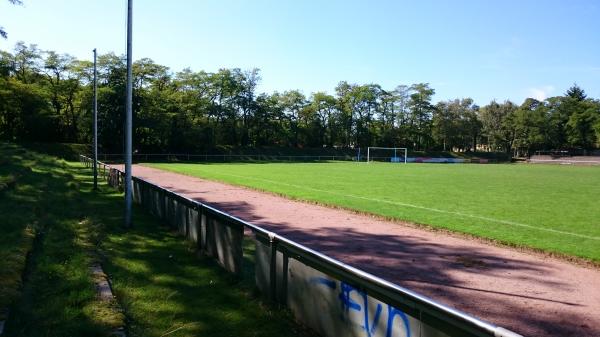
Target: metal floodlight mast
(95, 126)
(128, 122)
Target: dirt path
(527, 293)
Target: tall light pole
(95, 126)
(128, 121)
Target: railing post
(284, 280)
(273, 267)
(163, 204)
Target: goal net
(387, 154)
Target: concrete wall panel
(224, 243)
(262, 271)
(193, 225)
(181, 218)
(335, 308)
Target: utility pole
(95, 126)
(128, 122)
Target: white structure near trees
(391, 154)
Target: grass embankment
(17, 226)
(550, 208)
(67, 151)
(163, 287)
(45, 216)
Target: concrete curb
(102, 285)
(105, 293)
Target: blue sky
(480, 49)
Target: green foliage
(65, 151)
(421, 113)
(597, 130)
(576, 93)
(46, 96)
(547, 207)
(455, 124)
(531, 126)
(495, 119)
(580, 126)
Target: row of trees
(46, 96)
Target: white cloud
(540, 93)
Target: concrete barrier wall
(336, 308)
(193, 225)
(224, 243)
(265, 269)
(113, 178)
(325, 295)
(333, 307)
(181, 218)
(214, 235)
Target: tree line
(47, 96)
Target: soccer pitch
(549, 207)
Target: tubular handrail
(373, 284)
(229, 155)
(232, 157)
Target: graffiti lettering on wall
(355, 300)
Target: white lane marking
(505, 222)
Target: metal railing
(283, 268)
(216, 158)
(224, 157)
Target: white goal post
(393, 159)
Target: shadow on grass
(57, 297)
(163, 286)
(167, 289)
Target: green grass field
(548, 207)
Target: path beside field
(527, 293)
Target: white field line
(466, 215)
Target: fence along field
(328, 296)
(548, 207)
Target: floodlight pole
(128, 121)
(95, 126)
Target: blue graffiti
(324, 281)
(392, 312)
(344, 296)
(347, 303)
